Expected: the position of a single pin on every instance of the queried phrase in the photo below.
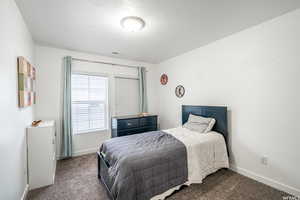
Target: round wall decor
(179, 91)
(164, 79)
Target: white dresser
(41, 154)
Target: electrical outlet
(264, 160)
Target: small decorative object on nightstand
(36, 123)
(133, 124)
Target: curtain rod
(121, 77)
(107, 63)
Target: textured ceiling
(172, 26)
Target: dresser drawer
(148, 121)
(128, 123)
(130, 132)
(150, 128)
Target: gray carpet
(76, 179)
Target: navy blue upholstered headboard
(217, 112)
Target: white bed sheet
(206, 153)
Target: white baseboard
(267, 181)
(84, 152)
(24, 195)
(80, 153)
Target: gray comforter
(144, 165)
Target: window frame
(106, 104)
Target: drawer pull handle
(128, 124)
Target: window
(89, 103)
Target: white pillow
(199, 124)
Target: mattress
(206, 153)
(196, 155)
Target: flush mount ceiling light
(132, 23)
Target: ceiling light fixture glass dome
(133, 23)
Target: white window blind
(89, 103)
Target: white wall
(15, 40)
(49, 89)
(256, 74)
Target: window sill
(97, 131)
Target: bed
(152, 165)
